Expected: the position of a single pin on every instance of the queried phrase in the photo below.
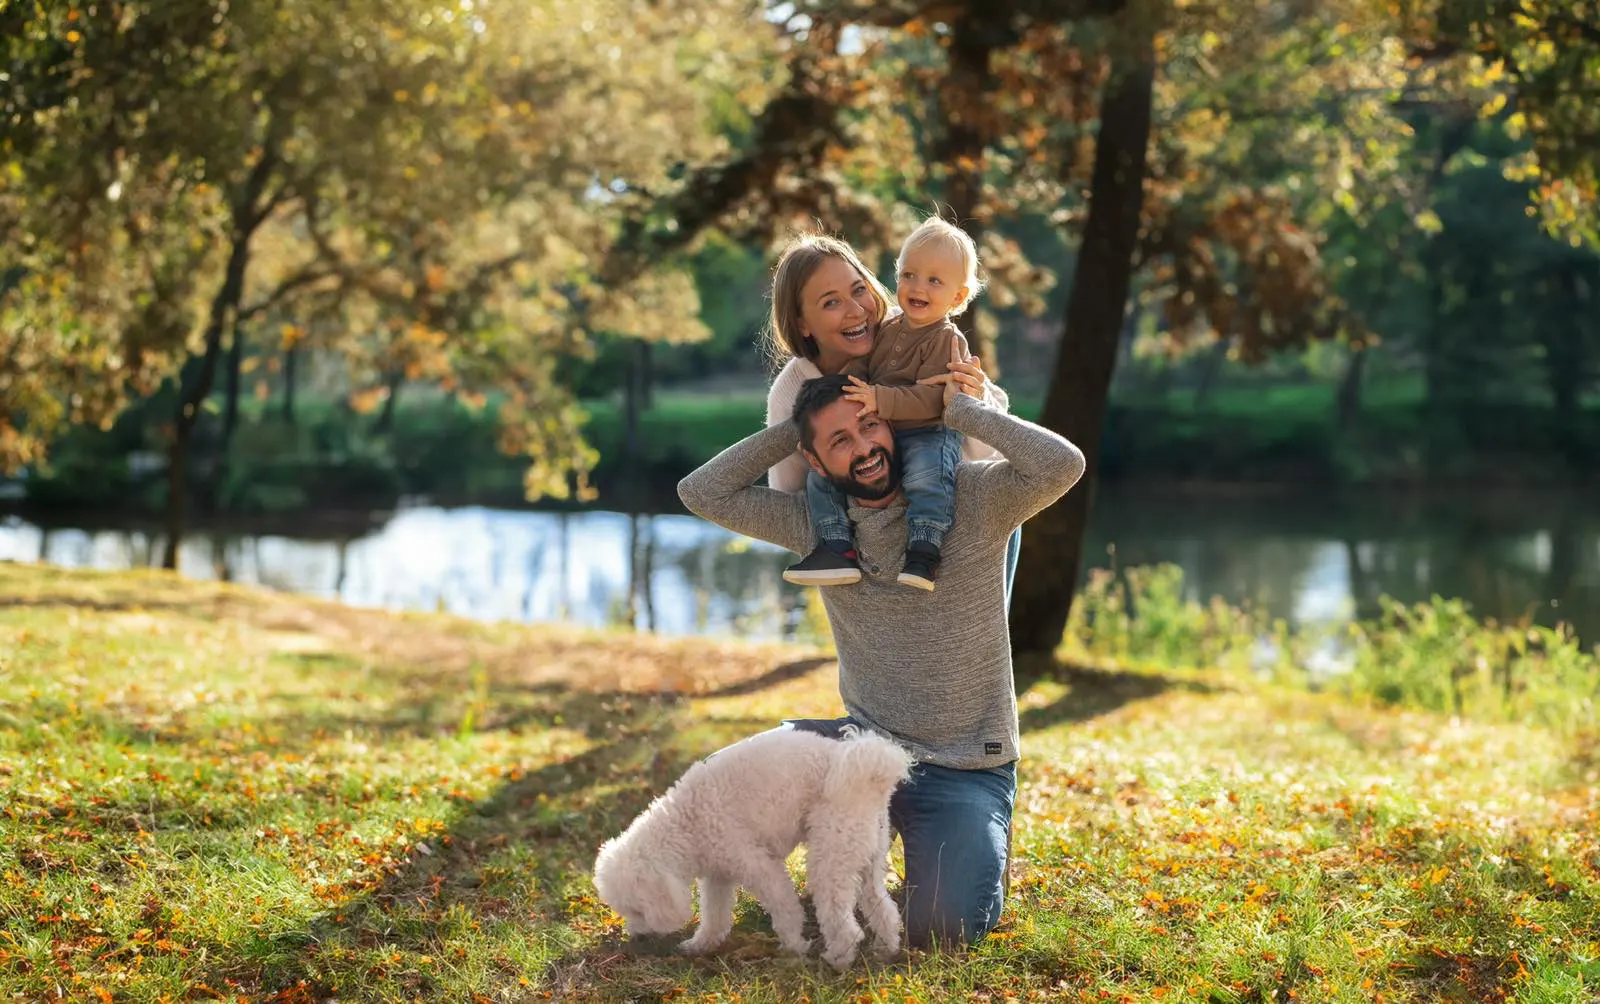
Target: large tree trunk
(959, 149)
(1081, 383)
(193, 393)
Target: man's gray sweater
(930, 669)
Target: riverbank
(219, 791)
(438, 449)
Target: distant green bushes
(331, 457)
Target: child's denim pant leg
(928, 459)
(830, 520)
(1013, 555)
(955, 826)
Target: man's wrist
(961, 403)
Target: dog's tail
(869, 766)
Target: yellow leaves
(365, 402)
(73, 37)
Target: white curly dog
(733, 818)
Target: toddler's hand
(864, 394)
(966, 376)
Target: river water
(1310, 556)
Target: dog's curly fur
(732, 819)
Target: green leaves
(426, 189)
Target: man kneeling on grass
(931, 670)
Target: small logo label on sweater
(992, 749)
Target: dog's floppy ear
(667, 900)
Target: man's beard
(850, 486)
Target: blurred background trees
(277, 256)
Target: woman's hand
(966, 376)
(864, 394)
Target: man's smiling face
(855, 452)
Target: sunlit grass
(210, 791)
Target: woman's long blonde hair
(783, 337)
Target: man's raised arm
(724, 491)
(1038, 466)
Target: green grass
(216, 792)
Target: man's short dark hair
(814, 396)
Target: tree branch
(898, 13)
(307, 276)
(795, 128)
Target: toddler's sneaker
(825, 566)
(922, 561)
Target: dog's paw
(840, 960)
(801, 946)
(696, 946)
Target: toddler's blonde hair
(942, 233)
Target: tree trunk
(291, 358)
(1437, 368)
(631, 609)
(193, 393)
(230, 419)
(230, 404)
(385, 422)
(1347, 400)
(632, 400)
(248, 213)
(1564, 357)
(647, 375)
(959, 149)
(1081, 383)
(1209, 368)
(648, 574)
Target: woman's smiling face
(838, 310)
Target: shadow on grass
(511, 859)
(515, 863)
(1091, 692)
(773, 677)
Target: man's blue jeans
(955, 829)
(955, 826)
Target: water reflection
(673, 574)
(1311, 558)
(1314, 557)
